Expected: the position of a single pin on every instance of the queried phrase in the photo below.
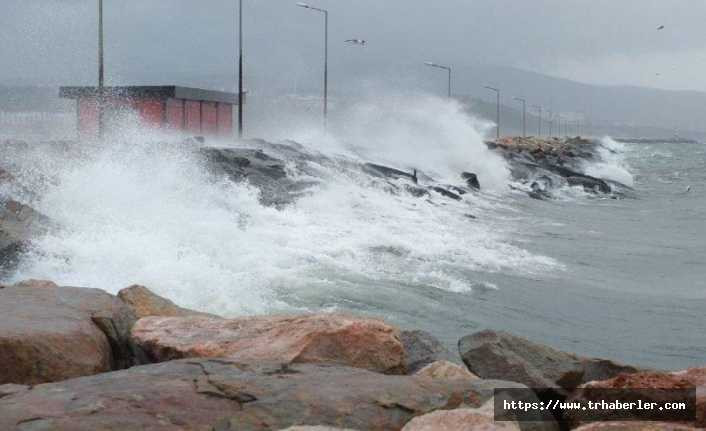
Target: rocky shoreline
(82, 359)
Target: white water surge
(612, 165)
(133, 211)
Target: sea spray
(134, 210)
(612, 165)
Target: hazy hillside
(624, 111)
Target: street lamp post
(325, 12)
(551, 123)
(539, 129)
(524, 115)
(240, 69)
(439, 66)
(497, 116)
(101, 72)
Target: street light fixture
(497, 92)
(539, 130)
(325, 12)
(101, 72)
(240, 69)
(524, 115)
(440, 66)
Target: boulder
(258, 169)
(458, 420)
(496, 354)
(320, 338)
(589, 184)
(634, 426)
(316, 428)
(687, 379)
(422, 349)
(224, 395)
(388, 172)
(144, 303)
(19, 223)
(445, 370)
(446, 193)
(471, 180)
(50, 333)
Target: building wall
(175, 114)
(152, 112)
(209, 118)
(190, 116)
(193, 116)
(225, 119)
(88, 118)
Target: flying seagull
(357, 41)
(661, 27)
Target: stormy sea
(375, 217)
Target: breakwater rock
(544, 165)
(96, 361)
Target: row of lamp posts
(241, 92)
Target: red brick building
(189, 110)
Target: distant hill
(32, 99)
(613, 110)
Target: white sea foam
(135, 212)
(612, 164)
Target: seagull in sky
(661, 27)
(357, 42)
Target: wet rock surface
(496, 354)
(422, 349)
(144, 303)
(544, 165)
(635, 426)
(459, 420)
(50, 333)
(322, 338)
(205, 394)
(257, 168)
(19, 224)
(686, 379)
(445, 370)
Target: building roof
(151, 92)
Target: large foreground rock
(687, 379)
(445, 370)
(145, 303)
(50, 333)
(316, 428)
(321, 338)
(459, 420)
(220, 394)
(422, 349)
(635, 426)
(500, 355)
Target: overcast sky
(159, 41)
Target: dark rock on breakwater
(544, 165)
(493, 354)
(19, 224)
